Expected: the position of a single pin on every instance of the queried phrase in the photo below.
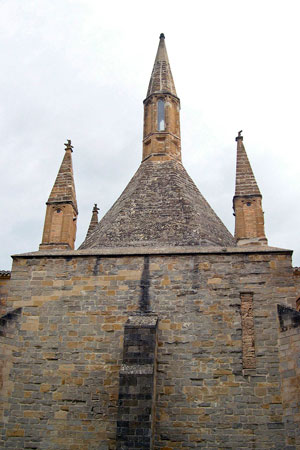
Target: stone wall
(9, 349)
(4, 287)
(65, 373)
(289, 351)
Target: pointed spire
(161, 138)
(247, 202)
(161, 80)
(61, 213)
(94, 221)
(161, 206)
(245, 183)
(64, 188)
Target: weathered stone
(166, 337)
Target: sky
(79, 70)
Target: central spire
(161, 78)
(161, 206)
(161, 139)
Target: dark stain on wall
(145, 285)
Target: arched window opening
(160, 115)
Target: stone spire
(245, 183)
(247, 201)
(161, 80)
(161, 138)
(94, 221)
(161, 206)
(61, 213)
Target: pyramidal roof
(245, 183)
(161, 206)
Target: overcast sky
(79, 69)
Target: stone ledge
(137, 369)
(140, 251)
(142, 321)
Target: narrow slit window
(161, 115)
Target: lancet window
(161, 115)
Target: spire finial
(96, 209)
(68, 145)
(239, 136)
(161, 36)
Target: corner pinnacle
(94, 221)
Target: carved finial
(239, 136)
(95, 209)
(68, 145)
(162, 36)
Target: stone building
(162, 331)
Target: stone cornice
(140, 251)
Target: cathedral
(162, 330)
